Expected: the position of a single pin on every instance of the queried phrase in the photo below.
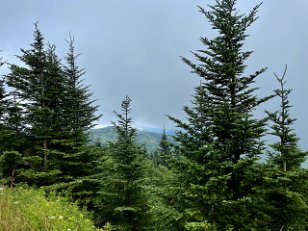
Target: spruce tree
(162, 155)
(79, 108)
(192, 165)
(286, 154)
(164, 145)
(3, 110)
(78, 116)
(222, 140)
(122, 199)
(229, 90)
(37, 87)
(284, 193)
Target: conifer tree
(162, 155)
(3, 110)
(28, 83)
(37, 87)
(226, 139)
(51, 111)
(78, 113)
(79, 109)
(192, 165)
(230, 92)
(164, 145)
(284, 195)
(286, 154)
(122, 198)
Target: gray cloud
(133, 48)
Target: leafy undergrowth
(27, 209)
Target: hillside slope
(27, 209)
(150, 140)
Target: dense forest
(209, 178)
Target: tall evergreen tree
(48, 114)
(284, 194)
(226, 138)
(79, 109)
(192, 165)
(37, 87)
(230, 92)
(122, 198)
(286, 154)
(3, 110)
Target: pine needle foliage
(221, 140)
(287, 155)
(123, 200)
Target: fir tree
(122, 198)
(230, 92)
(287, 153)
(221, 140)
(284, 192)
(3, 110)
(164, 145)
(193, 162)
(163, 154)
(78, 115)
(9, 162)
(37, 87)
(79, 109)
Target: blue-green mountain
(149, 139)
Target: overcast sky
(133, 48)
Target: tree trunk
(45, 154)
(284, 165)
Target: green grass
(27, 209)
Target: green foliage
(282, 200)
(103, 136)
(208, 179)
(286, 153)
(49, 111)
(38, 84)
(29, 210)
(163, 154)
(220, 141)
(9, 162)
(79, 111)
(162, 198)
(122, 199)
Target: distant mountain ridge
(150, 139)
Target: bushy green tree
(122, 199)
(284, 190)
(12, 125)
(55, 109)
(9, 161)
(192, 161)
(79, 110)
(221, 141)
(33, 86)
(78, 113)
